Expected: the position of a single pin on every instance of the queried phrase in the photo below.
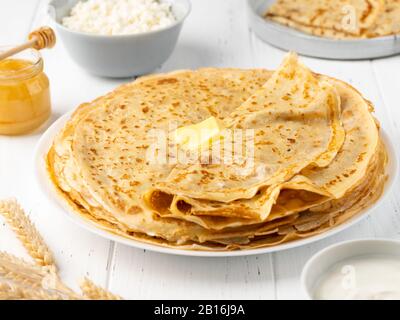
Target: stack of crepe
(317, 161)
(340, 19)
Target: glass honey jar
(24, 93)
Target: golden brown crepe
(99, 162)
(316, 31)
(338, 19)
(346, 16)
(317, 185)
(388, 22)
(293, 113)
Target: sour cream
(370, 277)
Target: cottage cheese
(117, 17)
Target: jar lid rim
(26, 72)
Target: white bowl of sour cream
(354, 270)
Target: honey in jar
(24, 93)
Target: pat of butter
(199, 134)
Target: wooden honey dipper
(39, 39)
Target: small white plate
(292, 40)
(50, 192)
(323, 260)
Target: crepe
(343, 16)
(302, 113)
(283, 230)
(316, 31)
(99, 163)
(316, 184)
(333, 19)
(388, 22)
(128, 208)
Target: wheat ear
(40, 281)
(94, 292)
(9, 291)
(26, 232)
(33, 276)
(20, 271)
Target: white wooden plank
(139, 274)
(215, 34)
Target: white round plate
(292, 40)
(50, 192)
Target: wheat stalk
(26, 232)
(53, 283)
(20, 271)
(30, 275)
(13, 291)
(94, 292)
(38, 281)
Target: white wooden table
(215, 34)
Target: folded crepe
(295, 118)
(330, 164)
(313, 186)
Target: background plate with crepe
(290, 39)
